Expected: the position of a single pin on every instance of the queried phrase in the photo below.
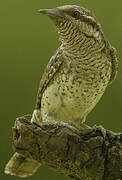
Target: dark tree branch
(87, 154)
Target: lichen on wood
(87, 154)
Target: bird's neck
(78, 43)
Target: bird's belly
(68, 100)
(60, 106)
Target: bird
(75, 77)
(80, 70)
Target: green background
(27, 41)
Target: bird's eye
(76, 14)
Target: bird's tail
(21, 166)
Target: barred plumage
(78, 74)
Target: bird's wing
(114, 64)
(52, 67)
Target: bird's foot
(84, 126)
(36, 117)
(78, 125)
(71, 123)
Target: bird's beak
(51, 12)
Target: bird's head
(72, 21)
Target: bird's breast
(74, 91)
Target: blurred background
(27, 41)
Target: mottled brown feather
(52, 67)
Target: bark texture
(81, 154)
